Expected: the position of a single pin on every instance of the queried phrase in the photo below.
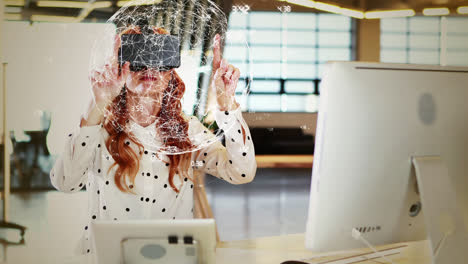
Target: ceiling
(101, 10)
(364, 5)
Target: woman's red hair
(171, 125)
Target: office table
(275, 250)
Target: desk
(284, 161)
(274, 250)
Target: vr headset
(155, 51)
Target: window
(286, 58)
(425, 40)
(457, 41)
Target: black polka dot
(165, 185)
(205, 132)
(88, 251)
(233, 140)
(148, 174)
(115, 219)
(81, 185)
(147, 199)
(204, 154)
(203, 161)
(98, 192)
(230, 161)
(99, 170)
(72, 189)
(155, 176)
(248, 137)
(69, 135)
(143, 174)
(154, 200)
(185, 179)
(83, 144)
(167, 164)
(164, 210)
(87, 136)
(127, 209)
(244, 153)
(131, 186)
(173, 217)
(191, 186)
(239, 131)
(243, 175)
(94, 217)
(146, 152)
(216, 163)
(226, 112)
(107, 182)
(141, 199)
(86, 228)
(99, 145)
(104, 207)
(128, 143)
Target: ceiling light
(74, 4)
(436, 11)
(102, 4)
(137, 2)
(12, 16)
(14, 2)
(462, 10)
(64, 4)
(352, 13)
(13, 9)
(390, 13)
(327, 7)
(306, 3)
(44, 18)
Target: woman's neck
(142, 109)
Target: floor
(275, 203)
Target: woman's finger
(125, 71)
(229, 72)
(216, 52)
(234, 80)
(96, 75)
(115, 55)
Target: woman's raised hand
(107, 84)
(225, 78)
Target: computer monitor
(391, 142)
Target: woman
(126, 177)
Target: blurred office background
(47, 47)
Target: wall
(48, 71)
(368, 40)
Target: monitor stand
(444, 224)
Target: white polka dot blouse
(86, 161)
